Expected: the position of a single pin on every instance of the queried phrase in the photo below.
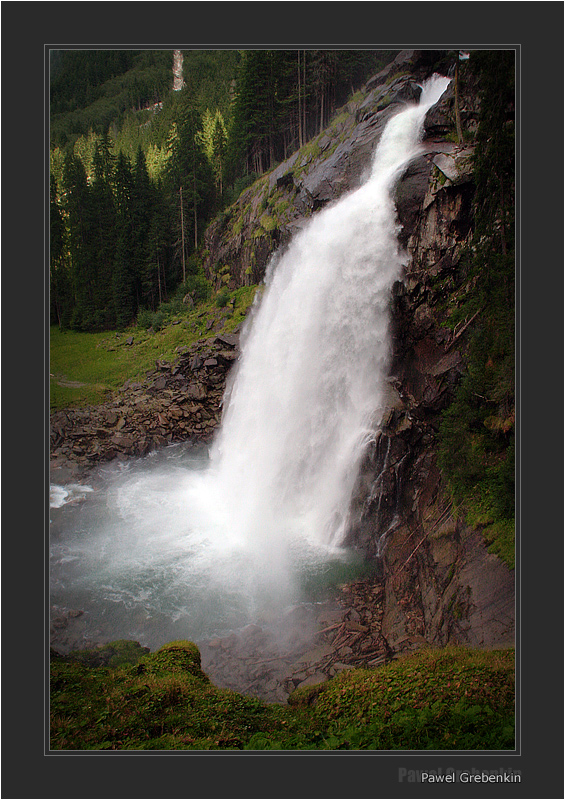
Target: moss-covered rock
(175, 657)
(114, 654)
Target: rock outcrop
(240, 242)
(401, 513)
(174, 402)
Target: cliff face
(441, 584)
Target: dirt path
(61, 380)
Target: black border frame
(536, 30)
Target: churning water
(187, 543)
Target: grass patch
(433, 700)
(268, 222)
(499, 533)
(85, 367)
(453, 698)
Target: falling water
(187, 546)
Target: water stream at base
(188, 543)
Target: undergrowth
(85, 367)
(477, 434)
(453, 698)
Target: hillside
(141, 161)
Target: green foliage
(268, 222)
(223, 297)
(85, 366)
(448, 699)
(92, 88)
(284, 97)
(145, 319)
(476, 449)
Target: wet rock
(313, 680)
(228, 339)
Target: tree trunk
(300, 140)
(457, 114)
(159, 280)
(304, 133)
(195, 211)
(182, 236)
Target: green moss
(440, 176)
(174, 657)
(222, 297)
(281, 207)
(385, 101)
(341, 118)
(396, 75)
(113, 654)
(452, 698)
(268, 222)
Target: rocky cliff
(440, 582)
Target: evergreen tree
(60, 279)
(189, 178)
(219, 143)
(477, 432)
(142, 209)
(104, 212)
(214, 141)
(79, 213)
(154, 274)
(123, 283)
(105, 160)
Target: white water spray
(313, 369)
(273, 502)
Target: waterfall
(303, 402)
(219, 543)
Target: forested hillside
(140, 165)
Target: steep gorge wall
(441, 584)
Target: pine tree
(477, 432)
(105, 234)
(79, 213)
(123, 285)
(189, 177)
(142, 207)
(154, 273)
(60, 279)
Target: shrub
(158, 320)
(222, 297)
(145, 319)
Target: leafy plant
(223, 297)
(476, 449)
(452, 698)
